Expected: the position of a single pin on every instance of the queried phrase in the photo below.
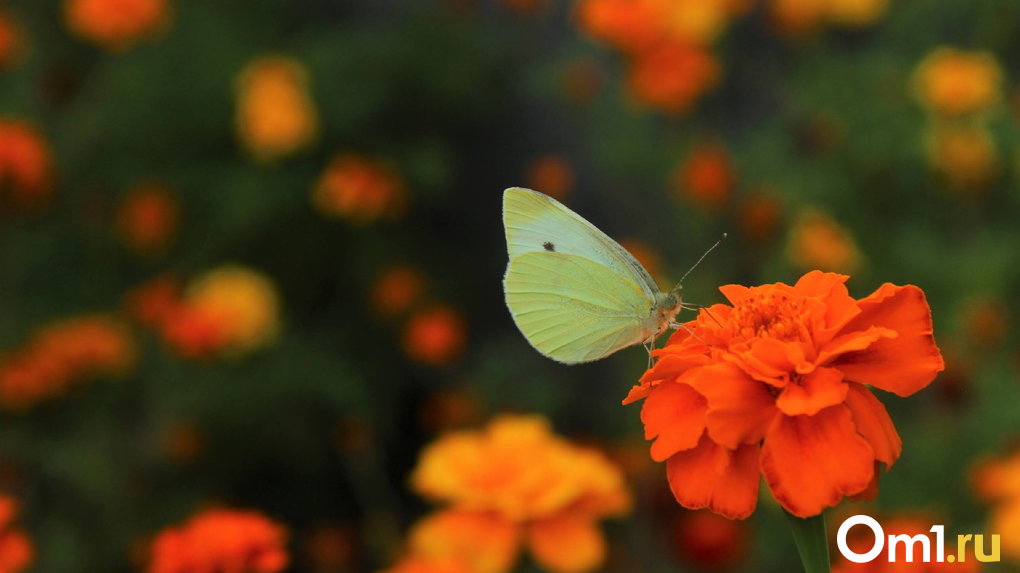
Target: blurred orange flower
(435, 336)
(152, 303)
(551, 174)
(228, 311)
(221, 541)
(147, 219)
(275, 112)
(10, 39)
(419, 564)
(963, 155)
(115, 24)
(954, 82)
(706, 176)
(672, 75)
(630, 25)
(861, 539)
(25, 165)
(395, 290)
(16, 552)
(817, 241)
(998, 481)
(62, 354)
(800, 17)
(359, 189)
(516, 484)
(709, 541)
(777, 386)
(856, 13)
(759, 216)
(646, 255)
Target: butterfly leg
(689, 331)
(649, 345)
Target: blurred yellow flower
(964, 155)
(147, 219)
(275, 112)
(697, 21)
(115, 24)
(516, 484)
(819, 242)
(998, 481)
(856, 12)
(359, 189)
(954, 82)
(241, 304)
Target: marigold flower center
(769, 315)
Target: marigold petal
(710, 476)
(567, 543)
(902, 365)
(735, 293)
(874, 424)
(740, 409)
(821, 284)
(675, 413)
(485, 541)
(818, 390)
(852, 342)
(811, 462)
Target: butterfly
(576, 294)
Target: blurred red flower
(221, 541)
(359, 189)
(115, 24)
(25, 165)
(551, 174)
(396, 289)
(16, 551)
(776, 385)
(673, 75)
(706, 177)
(147, 219)
(435, 336)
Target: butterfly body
(575, 293)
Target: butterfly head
(668, 305)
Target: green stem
(812, 542)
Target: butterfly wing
(538, 223)
(573, 309)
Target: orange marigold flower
(10, 38)
(706, 176)
(221, 541)
(396, 289)
(551, 174)
(275, 113)
(776, 385)
(861, 539)
(359, 189)
(16, 552)
(672, 75)
(817, 241)
(230, 310)
(515, 484)
(435, 336)
(630, 25)
(115, 24)
(147, 219)
(25, 164)
(954, 82)
(964, 156)
(62, 354)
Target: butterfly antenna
(698, 262)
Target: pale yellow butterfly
(575, 293)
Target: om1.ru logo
(908, 543)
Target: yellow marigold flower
(954, 82)
(275, 112)
(359, 189)
(819, 242)
(963, 155)
(513, 484)
(230, 310)
(115, 24)
(697, 21)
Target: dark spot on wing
(548, 246)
